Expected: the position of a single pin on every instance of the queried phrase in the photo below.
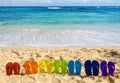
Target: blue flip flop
(88, 66)
(71, 67)
(95, 67)
(78, 67)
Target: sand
(21, 54)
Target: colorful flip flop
(71, 67)
(95, 67)
(27, 67)
(9, 67)
(34, 67)
(103, 67)
(16, 68)
(57, 66)
(49, 66)
(78, 67)
(111, 68)
(88, 66)
(42, 66)
(63, 67)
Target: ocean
(60, 26)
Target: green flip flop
(57, 66)
(64, 67)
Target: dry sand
(21, 54)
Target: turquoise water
(60, 26)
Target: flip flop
(42, 66)
(16, 68)
(103, 67)
(95, 67)
(111, 68)
(78, 67)
(27, 67)
(9, 67)
(63, 67)
(88, 66)
(57, 66)
(34, 67)
(49, 66)
(71, 67)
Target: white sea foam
(66, 36)
(34, 37)
(1, 23)
(54, 8)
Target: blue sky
(59, 2)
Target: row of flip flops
(62, 67)
(92, 67)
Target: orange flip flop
(27, 67)
(9, 67)
(16, 68)
(34, 67)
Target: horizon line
(55, 6)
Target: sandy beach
(57, 32)
(21, 54)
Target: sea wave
(54, 8)
(1, 23)
(37, 30)
(35, 37)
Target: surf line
(72, 67)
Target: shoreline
(60, 46)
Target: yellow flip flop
(49, 66)
(42, 66)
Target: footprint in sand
(111, 79)
(55, 80)
(99, 80)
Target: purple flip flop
(103, 67)
(111, 68)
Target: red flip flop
(9, 67)
(16, 68)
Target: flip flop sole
(95, 67)
(57, 66)
(16, 68)
(34, 67)
(111, 68)
(49, 65)
(71, 67)
(103, 67)
(88, 66)
(9, 67)
(78, 66)
(42, 65)
(27, 67)
(64, 67)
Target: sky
(59, 2)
